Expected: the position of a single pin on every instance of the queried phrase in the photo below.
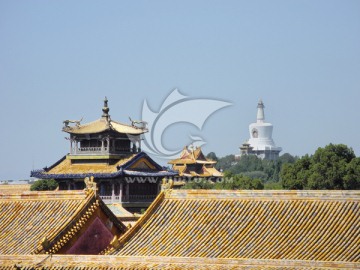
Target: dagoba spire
(260, 113)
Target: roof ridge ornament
(76, 122)
(90, 184)
(139, 124)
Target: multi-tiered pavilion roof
(193, 163)
(110, 152)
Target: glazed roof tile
(102, 125)
(64, 168)
(258, 225)
(56, 262)
(191, 156)
(185, 171)
(29, 217)
(14, 188)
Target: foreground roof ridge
(46, 195)
(58, 235)
(159, 262)
(119, 243)
(263, 194)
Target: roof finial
(105, 109)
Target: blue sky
(58, 59)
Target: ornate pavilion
(110, 152)
(191, 164)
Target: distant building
(191, 164)
(110, 152)
(260, 143)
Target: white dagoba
(260, 142)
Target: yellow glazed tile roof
(102, 125)
(259, 225)
(29, 217)
(191, 156)
(66, 167)
(204, 172)
(213, 172)
(11, 189)
(56, 262)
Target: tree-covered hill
(334, 166)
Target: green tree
(256, 175)
(44, 184)
(225, 163)
(212, 156)
(247, 163)
(287, 158)
(254, 167)
(352, 177)
(332, 167)
(294, 176)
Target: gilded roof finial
(45, 243)
(105, 109)
(90, 184)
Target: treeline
(333, 167)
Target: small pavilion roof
(191, 156)
(103, 124)
(194, 156)
(205, 172)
